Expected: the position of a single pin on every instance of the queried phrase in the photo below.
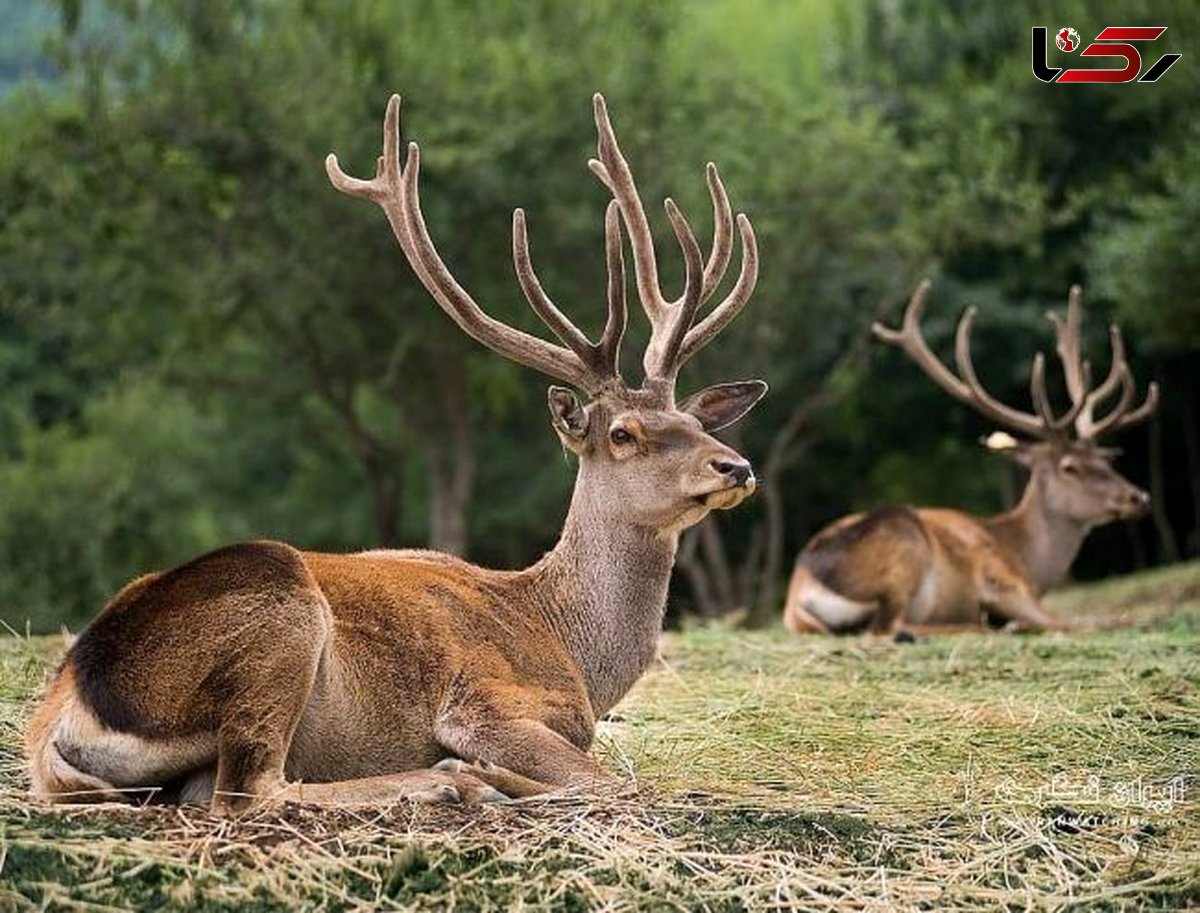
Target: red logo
(1111, 42)
(1067, 39)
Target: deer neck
(605, 591)
(1044, 541)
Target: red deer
(260, 671)
(902, 569)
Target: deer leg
(890, 617)
(539, 758)
(252, 746)
(255, 736)
(934, 630)
(896, 602)
(798, 620)
(265, 686)
(438, 785)
(1024, 612)
(501, 779)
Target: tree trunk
(748, 575)
(1169, 548)
(448, 498)
(717, 562)
(766, 603)
(385, 506)
(1191, 444)
(697, 575)
(451, 456)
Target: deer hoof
(443, 794)
(490, 795)
(459, 766)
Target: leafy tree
(201, 341)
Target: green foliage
(1150, 258)
(80, 516)
(171, 253)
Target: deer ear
(568, 417)
(723, 404)
(1004, 443)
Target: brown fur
(49, 771)
(261, 671)
(902, 568)
(259, 667)
(925, 568)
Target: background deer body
(905, 567)
(262, 671)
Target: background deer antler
(589, 366)
(1042, 424)
(674, 339)
(1122, 415)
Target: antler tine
(618, 311)
(613, 171)
(674, 339)
(1086, 400)
(1067, 343)
(1124, 402)
(563, 328)
(600, 357)
(909, 338)
(1142, 412)
(984, 401)
(966, 389)
(1121, 417)
(1085, 423)
(739, 296)
(1037, 389)
(662, 354)
(1041, 400)
(722, 249)
(395, 189)
(387, 166)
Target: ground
(960, 772)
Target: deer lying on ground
(263, 672)
(903, 569)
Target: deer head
(1071, 472)
(642, 457)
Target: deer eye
(620, 436)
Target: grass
(965, 772)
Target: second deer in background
(904, 568)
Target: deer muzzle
(1134, 504)
(737, 479)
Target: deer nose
(738, 470)
(1139, 499)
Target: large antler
(582, 363)
(967, 388)
(1042, 424)
(1122, 415)
(675, 336)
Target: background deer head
(642, 458)
(1069, 470)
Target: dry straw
(958, 773)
